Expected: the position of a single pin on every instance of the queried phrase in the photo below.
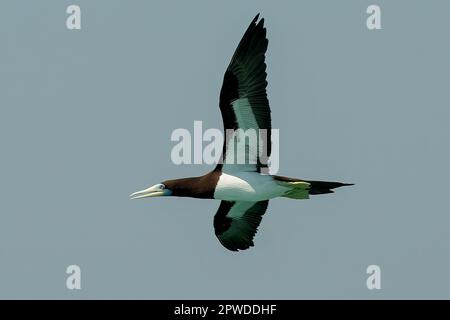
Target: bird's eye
(161, 186)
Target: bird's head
(158, 190)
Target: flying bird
(244, 189)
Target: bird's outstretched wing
(243, 101)
(236, 223)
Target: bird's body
(248, 186)
(243, 188)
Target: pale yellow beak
(154, 191)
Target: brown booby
(244, 189)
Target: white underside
(248, 186)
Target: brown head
(196, 187)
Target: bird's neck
(194, 187)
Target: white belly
(247, 186)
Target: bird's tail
(301, 189)
(321, 187)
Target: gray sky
(86, 118)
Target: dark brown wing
(236, 223)
(243, 97)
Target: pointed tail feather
(322, 187)
(314, 187)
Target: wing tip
(260, 22)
